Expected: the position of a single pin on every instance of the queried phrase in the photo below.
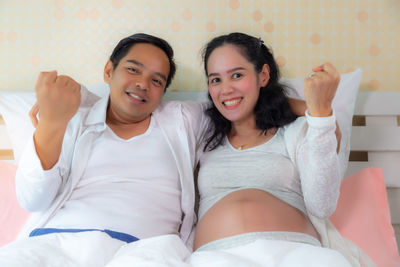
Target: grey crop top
(298, 165)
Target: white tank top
(130, 186)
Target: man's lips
(136, 96)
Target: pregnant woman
(264, 171)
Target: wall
(76, 36)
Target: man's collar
(97, 114)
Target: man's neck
(128, 130)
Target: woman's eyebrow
(229, 71)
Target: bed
(374, 156)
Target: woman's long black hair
(272, 109)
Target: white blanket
(89, 249)
(98, 249)
(169, 250)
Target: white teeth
(231, 102)
(137, 97)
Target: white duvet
(170, 251)
(97, 249)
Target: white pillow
(14, 108)
(343, 105)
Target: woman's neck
(245, 128)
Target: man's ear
(108, 71)
(264, 75)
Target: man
(108, 170)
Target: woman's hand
(320, 89)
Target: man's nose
(142, 84)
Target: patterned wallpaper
(76, 37)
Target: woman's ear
(264, 75)
(108, 70)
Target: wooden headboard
(375, 142)
(6, 152)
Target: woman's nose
(227, 88)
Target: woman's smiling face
(233, 83)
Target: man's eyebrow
(137, 63)
(162, 76)
(229, 71)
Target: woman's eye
(215, 80)
(236, 75)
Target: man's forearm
(48, 143)
(297, 106)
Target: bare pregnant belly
(250, 210)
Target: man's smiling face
(138, 82)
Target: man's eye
(131, 69)
(158, 82)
